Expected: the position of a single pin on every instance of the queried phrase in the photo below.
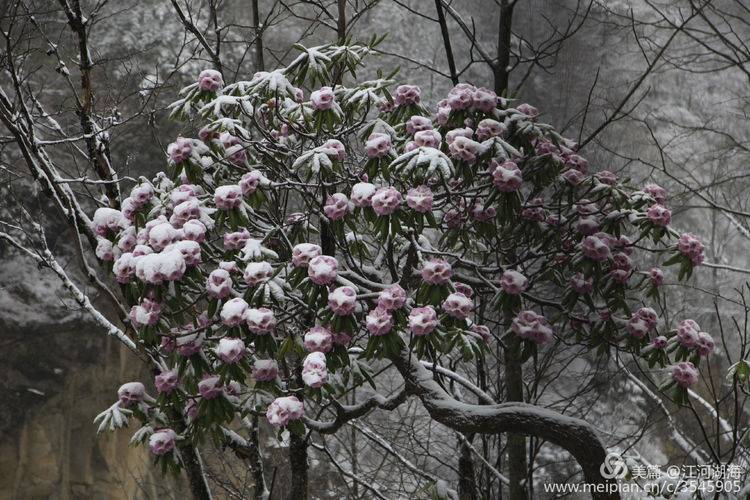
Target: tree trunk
(259, 64)
(255, 460)
(446, 41)
(517, 469)
(298, 464)
(502, 65)
(466, 483)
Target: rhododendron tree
(311, 233)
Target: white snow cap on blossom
(318, 338)
(162, 441)
(284, 410)
(257, 273)
(532, 326)
(342, 300)
(260, 321)
(513, 282)
(105, 250)
(265, 370)
(233, 312)
(156, 268)
(314, 371)
(230, 350)
(458, 305)
(303, 253)
(323, 270)
(108, 219)
(132, 392)
(362, 194)
(161, 235)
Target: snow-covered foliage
(298, 240)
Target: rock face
(56, 374)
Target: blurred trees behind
(655, 90)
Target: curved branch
(345, 413)
(573, 434)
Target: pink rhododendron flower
(265, 370)
(417, 124)
(690, 246)
(513, 282)
(260, 321)
(507, 176)
(379, 321)
(482, 213)
(194, 230)
(606, 177)
(322, 269)
(210, 387)
(436, 271)
(581, 284)
(105, 250)
(488, 128)
(314, 371)
(428, 138)
(656, 275)
(236, 240)
(660, 342)
(130, 393)
(323, 98)
(257, 273)
(688, 333)
(407, 94)
(231, 350)
(342, 300)
(451, 135)
(484, 100)
(420, 199)
(180, 150)
(705, 344)
(336, 148)
(228, 197)
(166, 381)
(124, 268)
(458, 305)
(250, 181)
(303, 253)
(233, 312)
(422, 320)
(219, 284)
(386, 200)
(534, 210)
(162, 441)
(284, 410)
(362, 193)
(595, 249)
(106, 220)
(378, 145)
(685, 374)
(146, 313)
(318, 338)
(532, 326)
(461, 96)
(210, 80)
(527, 109)
(392, 298)
(659, 215)
(336, 206)
(657, 192)
(482, 331)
